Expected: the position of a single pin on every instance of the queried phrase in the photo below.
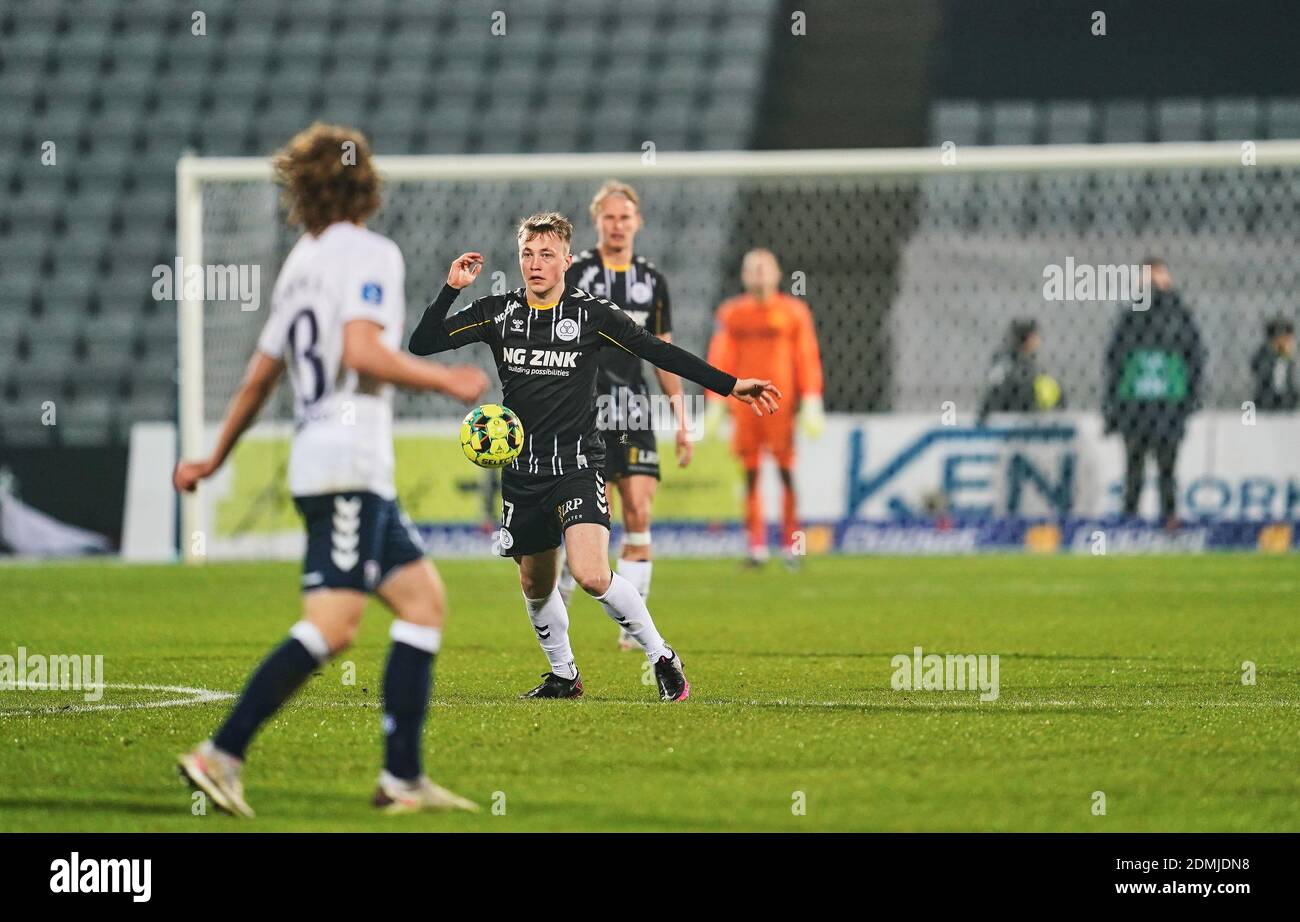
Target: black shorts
(634, 451)
(354, 540)
(535, 511)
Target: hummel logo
(516, 325)
(345, 538)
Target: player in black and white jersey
(336, 324)
(611, 270)
(547, 338)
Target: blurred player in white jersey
(336, 324)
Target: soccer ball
(491, 435)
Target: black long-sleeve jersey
(547, 360)
(640, 289)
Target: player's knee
(339, 634)
(636, 515)
(425, 612)
(594, 579)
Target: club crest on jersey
(567, 329)
(372, 293)
(639, 292)
(540, 358)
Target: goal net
(917, 266)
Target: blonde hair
(614, 187)
(546, 222)
(325, 180)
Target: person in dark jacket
(1273, 368)
(1153, 383)
(1016, 385)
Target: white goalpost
(914, 260)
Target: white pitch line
(946, 704)
(196, 696)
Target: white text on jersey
(541, 358)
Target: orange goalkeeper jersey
(771, 339)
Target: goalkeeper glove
(812, 416)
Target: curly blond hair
(328, 175)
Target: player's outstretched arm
(619, 330)
(431, 335)
(259, 381)
(366, 353)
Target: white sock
(638, 574)
(551, 623)
(624, 604)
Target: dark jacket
(1012, 385)
(1154, 365)
(1275, 380)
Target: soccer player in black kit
(611, 271)
(546, 338)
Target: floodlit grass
(1119, 675)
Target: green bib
(1152, 374)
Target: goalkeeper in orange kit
(767, 333)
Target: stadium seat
(1234, 119)
(18, 89)
(1069, 122)
(28, 48)
(20, 423)
(359, 46)
(149, 408)
(245, 50)
(1124, 121)
(85, 421)
(12, 325)
(955, 121)
(1283, 118)
(1013, 122)
(1180, 120)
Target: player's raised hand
(188, 474)
(759, 394)
(466, 383)
(685, 447)
(464, 270)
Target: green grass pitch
(1118, 675)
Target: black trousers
(1136, 448)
